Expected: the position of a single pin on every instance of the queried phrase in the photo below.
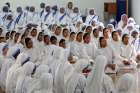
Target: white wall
(83, 4)
(135, 10)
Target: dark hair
(62, 40)
(94, 30)
(8, 34)
(72, 33)
(79, 33)
(12, 32)
(46, 36)
(112, 34)
(124, 37)
(53, 38)
(86, 34)
(104, 30)
(27, 40)
(100, 39)
(17, 34)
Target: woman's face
(126, 40)
(30, 44)
(72, 37)
(103, 43)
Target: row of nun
(70, 59)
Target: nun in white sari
(26, 72)
(33, 83)
(62, 75)
(14, 72)
(126, 84)
(77, 80)
(97, 81)
(12, 54)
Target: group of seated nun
(54, 50)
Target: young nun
(30, 50)
(126, 84)
(9, 60)
(58, 32)
(46, 48)
(77, 48)
(95, 39)
(98, 81)
(14, 72)
(106, 34)
(77, 80)
(128, 52)
(10, 41)
(108, 52)
(89, 47)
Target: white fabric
(126, 84)
(27, 69)
(46, 84)
(95, 79)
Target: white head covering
(76, 75)
(95, 78)
(46, 83)
(126, 84)
(40, 70)
(80, 65)
(27, 70)
(131, 20)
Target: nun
(91, 16)
(105, 50)
(128, 52)
(123, 22)
(34, 82)
(30, 50)
(14, 72)
(89, 47)
(25, 74)
(78, 48)
(98, 81)
(77, 80)
(62, 18)
(11, 56)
